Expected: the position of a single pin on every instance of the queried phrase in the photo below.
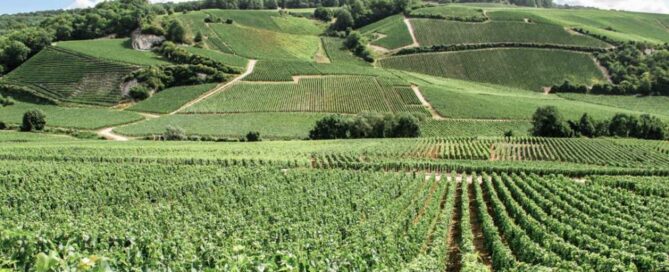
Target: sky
(14, 6)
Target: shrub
(323, 14)
(253, 136)
(344, 20)
(6, 101)
(366, 125)
(198, 37)
(177, 33)
(173, 133)
(509, 133)
(33, 120)
(3, 126)
(139, 93)
(229, 21)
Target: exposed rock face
(145, 41)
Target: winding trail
(433, 112)
(108, 133)
(249, 69)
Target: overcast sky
(14, 6)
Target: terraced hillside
(71, 77)
(116, 50)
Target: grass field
(393, 28)
(442, 32)
(71, 77)
(338, 54)
(171, 99)
(268, 20)
(264, 44)
(650, 104)
(115, 50)
(270, 125)
(68, 117)
(531, 69)
(229, 59)
(350, 94)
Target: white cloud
(654, 6)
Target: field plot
(114, 50)
(70, 77)
(395, 33)
(67, 117)
(450, 11)
(530, 69)
(624, 26)
(333, 94)
(338, 54)
(443, 32)
(228, 59)
(171, 99)
(264, 44)
(270, 125)
(285, 70)
(531, 222)
(650, 104)
(269, 20)
(472, 128)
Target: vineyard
(70, 77)
(238, 218)
(70, 117)
(391, 33)
(530, 69)
(321, 94)
(169, 100)
(441, 32)
(116, 50)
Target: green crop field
(70, 77)
(450, 11)
(264, 44)
(119, 50)
(327, 94)
(395, 32)
(441, 32)
(270, 125)
(531, 69)
(171, 99)
(116, 182)
(69, 117)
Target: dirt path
(455, 232)
(108, 133)
(601, 67)
(411, 32)
(477, 230)
(433, 112)
(249, 69)
(321, 55)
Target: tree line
(460, 47)
(366, 125)
(549, 122)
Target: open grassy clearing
(114, 50)
(395, 32)
(68, 117)
(350, 94)
(449, 11)
(525, 68)
(171, 99)
(264, 44)
(624, 26)
(228, 59)
(71, 77)
(650, 104)
(442, 32)
(338, 54)
(270, 125)
(7, 136)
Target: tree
(548, 122)
(651, 128)
(33, 120)
(509, 133)
(173, 133)
(14, 54)
(330, 127)
(406, 126)
(586, 126)
(323, 14)
(622, 125)
(253, 136)
(271, 4)
(198, 37)
(139, 93)
(177, 33)
(344, 20)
